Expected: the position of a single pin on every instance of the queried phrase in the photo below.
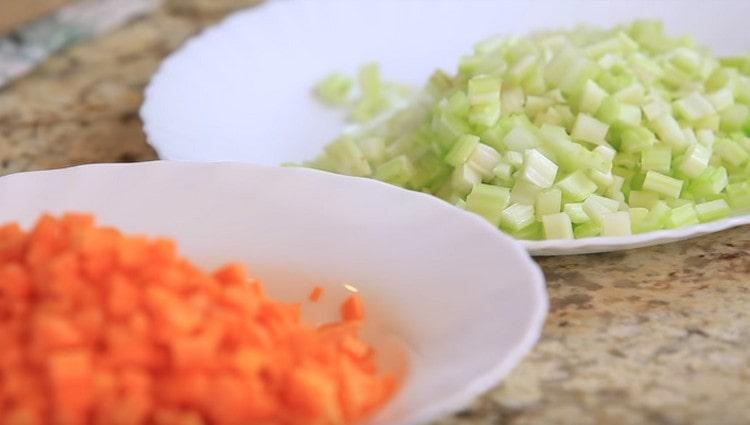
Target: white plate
(241, 90)
(465, 302)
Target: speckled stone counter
(651, 336)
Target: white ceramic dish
(466, 302)
(241, 90)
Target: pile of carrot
(97, 327)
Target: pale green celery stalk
(695, 161)
(488, 201)
(712, 210)
(557, 226)
(373, 148)
(512, 99)
(462, 150)
(721, 99)
(515, 159)
(694, 107)
(641, 198)
(592, 97)
(636, 139)
(664, 185)
(485, 115)
(657, 158)
(738, 195)
(588, 129)
(669, 131)
(548, 202)
(484, 90)
(576, 212)
(597, 207)
(616, 224)
(637, 216)
(572, 156)
(711, 182)
(735, 118)
(654, 107)
(656, 218)
(484, 159)
(503, 171)
(520, 139)
(516, 217)
(532, 232)
(602, 180)
(617, 113)
(537, 169)
(634, 94)
(524, 192)
(576, 186)
(587, 230)
(464, 178)
(334, 89)
(731, 152)
(706, 137)
(684, 215)
(347, 153)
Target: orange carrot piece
(352, 309)
(316, 294)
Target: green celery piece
(731, 152)
(516, 217)
(484, 90)
(537, 169)
(636, 139)
(662, 184)
(597, 207)
(557, 226)
(587, 230)
(488, 201)
(712, 210)
(588, 129)
(462, 150)
(575, 211)
(682, 216)
(734, 118)
(398, 171)
(548, 202)
(616, 224)
(738, 195)
(334, 89)
(642, 198)
(532, 232)
(576, 186)
(712, 181)
(657, 158)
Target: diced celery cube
(738, 195)
(658, 158)
(485, 114)
(576, 212)
(373, 148)
(655, 107)
(398, 171)
(684, 215)
(706, 137)
(669, 131)
(616, 224)
(634, 93)
(520, 139)
(557, 226)
(537, 169)
(517, 216)
(606, 152)
(641, 198)
(597, 206)
(695, 160)
(588, 129)
(637, 217)
(488, 201)
(576, 186)
(731, 152)
(734, 118)
(462, 150)
(334, 89)
(484, 159)
(514, 158)
(636, 139)
(721, 99)
(587, 230)
(711, 182)
(524, 192)
(665, 185)
(350, 158)
(548, 202)
(712, 210)
(602, 180)
(592, 97)
(532, 232)
(512, 99)
(503, 171)
(464, 178)
(484, 90)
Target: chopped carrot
(352, 309)
(101, 328)
(316, 294)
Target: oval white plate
(241, 90)
(465, 301)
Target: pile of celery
(562, 134)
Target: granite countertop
(651, 336)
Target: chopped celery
(576, 186)
(588, 129)
(557, 226)
(576, 212)
(665, 185)
(517, 216)
(569, 128)
(616, 224)
(642, 198)
(712, 210)
(658, 158)
(488, 201)
(462, 150)
(537, 169)
(548, 202)
(682, 216)
(334, 89)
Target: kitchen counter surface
(651, 336)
